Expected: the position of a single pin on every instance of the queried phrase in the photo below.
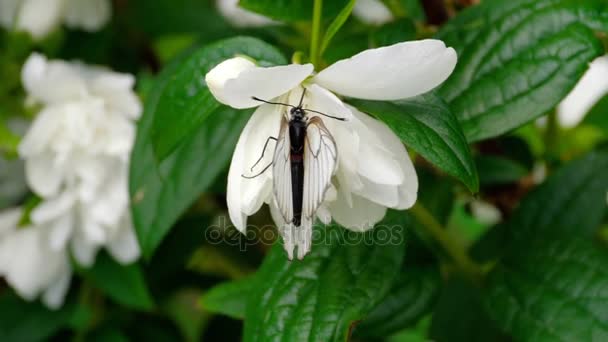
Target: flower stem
(316, 32)
(454, 250)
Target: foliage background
(539, 274)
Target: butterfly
(305, 159)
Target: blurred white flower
(485, 212)
(40, 17)
(590, 89)
(76, 156)
(372, 12)
(374, 170)
(28, 262)
(240, 17)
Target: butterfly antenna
(272, 103)
(302, 98)
(329, 116)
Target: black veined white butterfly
(305, 159)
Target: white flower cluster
(76, 157)
(40, 17)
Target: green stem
(315, 39)
(454, 250)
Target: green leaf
(571, 202)
(21, 321)
(394, 32)
(518, 59)
(426, 125)
(123, 283)
(552, 290)
(182, 102)
(335, 25)
(550, 283)
(320, 298)
(160, 193)
(495, 170)
(229, 298)
(598, 115)
(292, 10)
(460, 316)
(413, 295)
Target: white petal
(246, 196)
(51, 81)
(229, 69)
(54, 296)
(8, 9)
(239, 17)
(124, 246)
(117, 91)
(392, 72)
(53, 208)
(43, 175)
(234, 82)
(9, 219)
(372, 12)
(408, 189)
(89, 15)
(83, 251)
(39, 17)
(362, 215)
(591, 88)
(60, 231)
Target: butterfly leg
(260, 159)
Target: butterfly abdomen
(297, 136)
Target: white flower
(76, 156)
(40, 17)
(485, 212)
(240, 17)
(374, 170)
(28, 262)
(590, 89)
(372, 12)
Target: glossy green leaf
(495, 170)
(335, 25)
(161, 193)
(321, 297)
(426, 125)
(292, 10)
(123, 283)
(598, 115)
(551, 282)
(571, 202)
(517, 59)
(394, 32)
(552, 290)
(460, 316)
(182, 102)
(229, 298)
(412, 296)
(21, 321)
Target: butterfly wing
(320, 159)
(281, 173)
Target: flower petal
(372, 12)
(390, 73)
(9, 220)
(39, 17)
(89, 15)
(234, 82)
(362, 215)
(43, 176)
(245, 196)
(51, 81)
(239, 17)
(124, 246)
(408, 188)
